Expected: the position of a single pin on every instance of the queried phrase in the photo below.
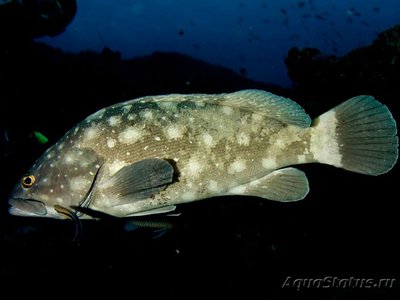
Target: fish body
(147, 155)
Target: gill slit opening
(87, 200)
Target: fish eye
(28, 181)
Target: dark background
(229, 246)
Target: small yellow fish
(147, 155)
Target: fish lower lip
(26, 207)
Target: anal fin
(284, 185)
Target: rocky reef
(374, 69)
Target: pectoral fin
(283, 185)
(138, 181)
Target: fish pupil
(28, 181)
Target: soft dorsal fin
(270, 105)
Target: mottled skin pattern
(214, 148)
(146, 155)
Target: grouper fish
(147, 155)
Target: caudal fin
(359, 135)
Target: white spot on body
(280, 143)
(238, 190)
(78, 183)
(269, 163)
(130, 135)
(301, 158)
(239, 165)
(111, 143)
(157, 138)
(175, 131)
(114, 121)
(194, 167)
(59, 200)
(207, 139)
(256, 118)
(147, 115)
(115, 166)
(213, 186)
(227, 110)
(90, 133)
(243, 139)
(200, 104)
(171, 106)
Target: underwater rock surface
(374, 69)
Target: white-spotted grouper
(147, 155)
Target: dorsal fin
(270, 105)
(258, 101)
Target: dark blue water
(251, 36)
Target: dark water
(229, 246)
(258, 33)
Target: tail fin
(359, 135)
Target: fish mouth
(26, 207)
